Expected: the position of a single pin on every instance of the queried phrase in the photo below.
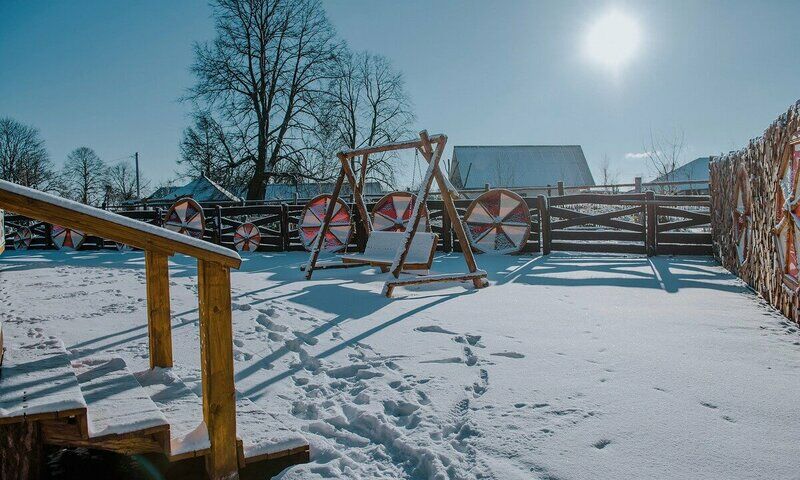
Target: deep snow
(571, 367)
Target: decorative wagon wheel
(246, 238)
(22, 238)
(186, 217)
(787, 214)
(498, 221)
(742, 228)
(393, 211)
(123, 247)
(65, 237)
(339, 231)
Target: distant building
(287, 191)
(519, 166)
(202, 189)
(696, 170)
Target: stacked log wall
(761, 160)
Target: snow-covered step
(183, 410)
(115, 402)
(37, 381)
(263, 435)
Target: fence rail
(632, 223)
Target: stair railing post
(159, 328)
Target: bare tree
(665, 154)
(367, 105)
(120, 182)
(23, 158)
(84, 175)
(609, 175)
(263, 72)
(211, 149)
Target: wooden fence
(634, 223)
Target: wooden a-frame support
(431, 148)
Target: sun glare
(613, 39)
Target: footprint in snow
(434, 329)
(508, 354)
(601, 444)
(709, 405)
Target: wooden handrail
(94, 221)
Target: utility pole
(138, 191)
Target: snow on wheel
(246, 238)
(742, 228)
(393, 211)
(786, 231)
(498, 221)
(186, 217)
(66, 237)
(22, 238)
(339, 231)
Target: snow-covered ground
(567, 367)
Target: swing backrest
(383, 246)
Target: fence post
(485, 187)
(218, 225)
(159, 217)
(544, 223)
(560, 188)
(651, 222)
(284, 227)
(638, 182)
(447, 232)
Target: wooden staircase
(98, 403)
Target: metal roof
(519, 166)
(697, 169)
(201, 189)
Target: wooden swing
(398, 251)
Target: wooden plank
(159, 328)
(596, 198)
(601, 235)
(216, 365)
(678, 249)
(38, 382)
(694, 238)
(598, 247)
(188, 435)
(665, 227)
(651, 221)
(116, 405)
(574, 219)
(68, 434)
(680, 213)
(478, 275)
(109, 225)
(544, 222)
(416, 143)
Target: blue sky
(107, 74)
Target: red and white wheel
(339, 231)
(787, 215)
(22, 238)
(393, 211)
(246, 238)
(742, 229)
(186, 217)
(65, 237)
(498, 221)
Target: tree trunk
(20, 451)
(257, 186)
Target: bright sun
(613, 39)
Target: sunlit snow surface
(570, 367)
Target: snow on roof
(285, 191)
(519, 166)
(202, 189)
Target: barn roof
(519, 166)
(285, 191)
(697, 169)
(202, 189)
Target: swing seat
(382, 247)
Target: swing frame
(431, 148)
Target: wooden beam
(458, 225)
(109, 225)
(416, 143)
(358, 198)
(159, 328)
(216, 361)
(323, 229)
